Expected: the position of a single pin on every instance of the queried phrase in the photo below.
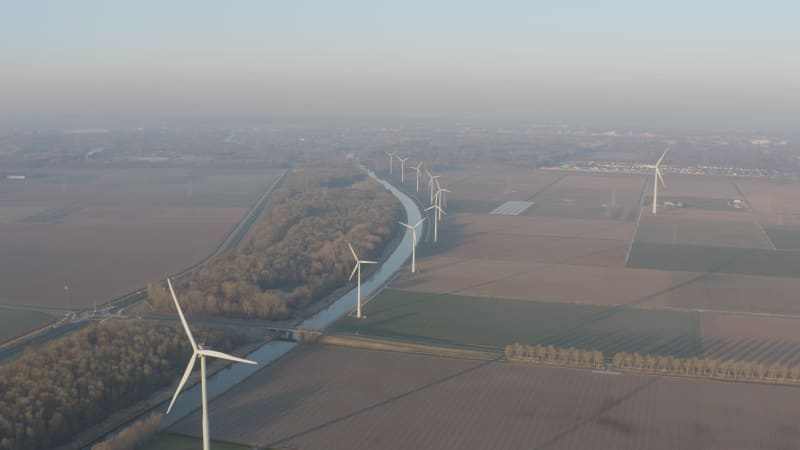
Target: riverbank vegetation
(53, 392)
(296, 253)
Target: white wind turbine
(357, 268)
(431, 180)
(442, 193)
(402, 168)
(413, 242)
(391, 159)
(657, 177)
(201, 353)
(436, 216)
(419, 173)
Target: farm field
(497, 322)
(714, 259)
(765, 339)
(107, 231)
(586, 196)
(173, 441)
(739, 231)
(14, 322)
(327, 397)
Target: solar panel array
(512, 208)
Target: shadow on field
(381, 403)
(599, 417)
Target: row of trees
(51, 393)
(550, 354)
(296, 253)
(659, 364)
(707, 367)
(133, 436)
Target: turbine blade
(352, 251)
(220, 355)
(368, 262)
(658, 173)
(353, 273)
(185, 377)
(180, 313)
(430, 207)
(662, 156)
(420, 222)
(406, 225)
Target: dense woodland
(297, 252)
(53, 392)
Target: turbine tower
(391, 158)
(402, 168)
(419, 172)
(357, 268)
(201, 353)
(436, 214)
(656, 178)
(413, 242)
(431, 180)
(441, 199)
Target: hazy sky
(699, 64)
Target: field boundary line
(751, 210)
(638, 221)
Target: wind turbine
(201, 353)
(656, 178)
(357, 268)
(419, 172)
(431, 179)
(391, 158)
(438, 209)
(441, 196)
(402, 168)
(413, 242)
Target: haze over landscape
(721, 65)
(360, 225)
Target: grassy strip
(408, 347)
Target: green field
(172, 441)
(716, 233)
(698, 258)
(456, 319)
(14, 322)
(784, 239)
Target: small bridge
(295, 334)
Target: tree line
(51, 393)
(707, 367)
(728, 369)
(567, 356)
(296, 253)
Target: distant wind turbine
(391, 159)
(431, 180)
(436, 215)
(357, 268)
(419, 172)
(656, 178)
(402, 168)
(201, 353)
(442, 196)
(413, 242)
